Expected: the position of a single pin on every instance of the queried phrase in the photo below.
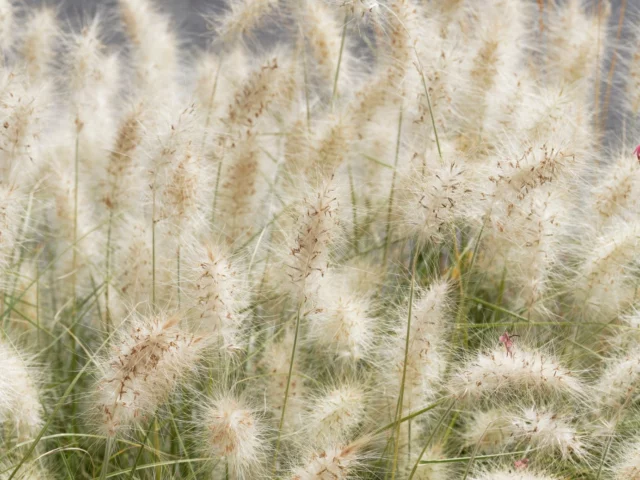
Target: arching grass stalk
(183, 450)
(612, 68)
(54, 413)
(354, 211)
(334, 93)
(156, 444)
(16, 259)
(426, 93)
(596, 98)
(428, 442)
(472, 458)
(153, 245)
(286, 391)
(140, 451)
(105, 461)
(217, 187)
(108, 272)
(387, 238)
(477, 457)
(306, 83)
(178, 273)
(74, 355)
(408, 417)
(399, 406)
(212, 96)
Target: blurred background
(188, 14)
(189, 21)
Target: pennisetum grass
(183, 293)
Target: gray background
(187, 14)
(188, 19)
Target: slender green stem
(215, 193)
(38, 304)
(426, 92)
(54, 414)
(74, 354)
(16, 259)
(286, 391)
(476, 458)
(153, 246)
(140, 451)
(178, 275)
(16, 299)
(75, 216)
(498, 308)
(404, 363)
(461, 316)
(387, 239)
(334, 94)
(108, 275)
(167, 463)
(156, 444)
(306, 84)
(605, 453)
(181, 443)
(408, 417)
(428, 442)
(212, 96)
(449, 429)
(354, 211)
(104, 468)
(474, 454)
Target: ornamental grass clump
(345, 239)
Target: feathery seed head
(497, 372)
(487, 430)
(20, 407)
(511, 474)
(363, 11)
(332, 463)
(425, 354)
(218, 295)
(576, 40)
(316, 232)
(155, 50)
(336, 414)
(252, 99)
(615, 193)
(240, 185)
(547, 430)
(7, 25)
(617, 385)
(151, 355)
(39, 42)
(22, 111)
(627, 464)
(323, 34)
(433, 198)
(605, 279)
(241, 19)
(234, 432)
(342, 324)
(9, 225)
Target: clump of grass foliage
(397, 243)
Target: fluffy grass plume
(337, 240)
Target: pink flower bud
(507, 340)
